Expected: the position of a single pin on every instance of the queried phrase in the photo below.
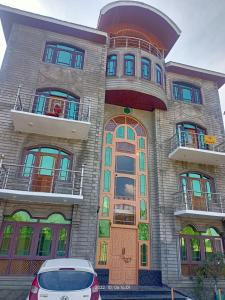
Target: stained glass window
(111, 65)
(45, 242)
(142, 183)
(6, 240)
(129, 65)
(24, 241)
(143, 232)
(120, 132)
(104, 228)
(183, 249)
(143, 210)
(107, 180)
(109, 138)
(141, 143)
(144, 255)
(55, 219)
(195, 249)
(145, 68)
(108, 156)
(142, 161)
(105, 206)
(62, 242)
(130, 134)
(103, 254)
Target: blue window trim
(73, 56)
(111, 66)
(194, 91)
(145, 68)
(129, 65)
(159, 74)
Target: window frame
(114, 63)
(125, 61)
(194, 89)
(158, 70)
(143, 64)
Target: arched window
(145, 68)
(56, 103)
(62, 54)
(197, 246)
(191, 135)
(187, 92)
(158, 74)
(129, 64)
(111, 65)
(197, 191)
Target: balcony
(199, 204)
(197, 148)
(133, 42)
(51, 116)
(34, 184)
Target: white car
(65, 279)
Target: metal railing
(196, 141)
(36, 179)
(133, 42)
(52, 106)
(203, 201)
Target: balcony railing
(36, 179)
(200, 201)
(197, 148)
(133, 42)
(53, 106)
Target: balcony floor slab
(199, 214)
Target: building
(107, 152)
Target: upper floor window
(56, 103)
(129, 65)
(61, 54)
(111, 65)
(158, 71)
(145, 68)
(187, 92)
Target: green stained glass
(104, 228)
(142, 183)
(183, 249)
(143, 210)
(6, 240)
(55, 219)
(130, 134)
(109, 138)
(141, 143)
(108, 156)
(144, 255)
(143, 232)
(107, 180)
(141, 161)
(195, 249)
(189, 230)
(105, 207)
(208, 248)
(45, 242)
(120, 132)
(211, 232)
(20, 216)
(103, 254)
(62, 242)
(24, 241)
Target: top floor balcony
(133, 42)
(198, 148)
(52, 113)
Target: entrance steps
(139, 293)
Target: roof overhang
(143, 16)
(178, 68)
(10, 15)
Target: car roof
(63, 263)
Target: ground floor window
(196, 246)
(25, 241)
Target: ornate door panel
(198, 194)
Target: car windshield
(65, 280)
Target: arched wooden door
(123, 238)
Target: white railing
(36, 179)
(196, 141)
(203, 201)
(133, 42)
(51, 106)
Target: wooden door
(197, 186)
(44, 173)
(192, 140)
(123, 264)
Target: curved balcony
(133, 42)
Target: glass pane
(144, 257)
(186, 94)
(124, 214)
(55, 219)
(208, 248)
(211, 232)
(141, 143)
(197, 188)
(104, 228)
(29, 163)
(120, 132)
(48, 54)
(125, 147)
(130, 134)
(64, 172)
(183, 249)
(142, 187)
(124, 188)
(46, 165)
(189, 230)
(109, 138)
(107, 180)
(78, 60)
(24, 241)
(111, 65)
(108, 156)
(21, 216)
(208, 190)
(73, 110)
(141, 161)
(105, 207)
(45, 242)
(64, 58)
(143, 210)
(39, 104)
(103, 254)
(62, 242)
(195, 249)
(6, 240)
(125, 164)
(143, 232)
(51, 151)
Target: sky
(202, 22)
